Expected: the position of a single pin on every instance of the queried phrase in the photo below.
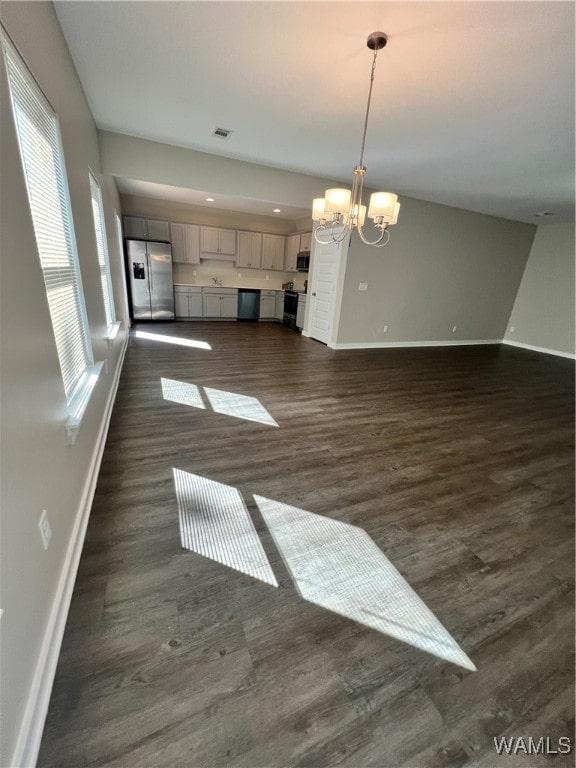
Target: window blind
(42, 157)
(102, 247)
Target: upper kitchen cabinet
(217, 242)
(185, 242)
(146, 229)
(273, 251)
(249, 253)
(291, 252)
(305, 241)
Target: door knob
(313, 294)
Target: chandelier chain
(368, 108)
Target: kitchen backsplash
(203, 274)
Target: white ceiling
(221, 202)
(473, 102)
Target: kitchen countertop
(237, 287)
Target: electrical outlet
(453, 329)
(267, 277)
(363, 286)
(512, 328)
(239, 275)
(45, 530)
(194, 273)
(385, 329)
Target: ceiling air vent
(221, 133)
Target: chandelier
(341, 211)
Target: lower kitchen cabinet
(187, 301)
(195, 302)
(220, 303)
(279, 314)
(267, 305)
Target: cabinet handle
(313, 294)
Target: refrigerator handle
(150, 284)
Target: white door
(325, 274)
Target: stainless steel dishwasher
(248, 304)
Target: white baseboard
(30, 735)
(447, 343)
(392, 344)
(545, 350)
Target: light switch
(363, 287)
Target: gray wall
(443, 267)
(543, 313)
(39, 470)
(144, 160)
(136, 205)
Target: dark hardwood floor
(458, 463)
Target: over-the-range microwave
(303, 261)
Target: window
(38, 134)
(102, 246)
(119, 236)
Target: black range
(290, 308)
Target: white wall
(543, 313)
(39, 471)
(443, 267)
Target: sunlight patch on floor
(339, 567)
(222, 402)
(239, 406)
(172, 340)
(182, 392)
(215, 523)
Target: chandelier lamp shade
(341, 211)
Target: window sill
(80, 402)
(113, 332)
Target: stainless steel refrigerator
(150, 275)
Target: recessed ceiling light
(277, 210)
(544, 213)
(209, 199)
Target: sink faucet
(217, 281)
